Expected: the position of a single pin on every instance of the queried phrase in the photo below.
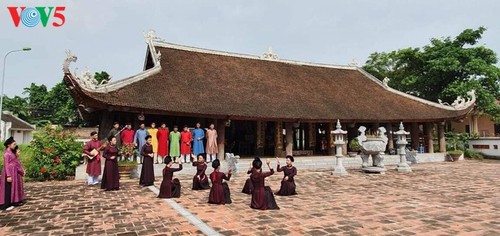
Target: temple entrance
(269, 143)
(321, 139)
(300, 139)
(240, 138)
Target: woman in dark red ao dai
(147, 171)
(262, 196)
(248, 188)
(200, 179)
(111, 175)
(219, 193)
(169, 187)
(287, 184)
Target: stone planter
(126, 171)
(455, 156)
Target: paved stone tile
(72, 208)
(435, 199)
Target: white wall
(28, 136)
(22, 136)
(18, 136)
(4, 128)
(486, 145)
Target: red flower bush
(57, 154)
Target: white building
(12, 125)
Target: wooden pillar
(375, 127)
(312, 136)
(390, 141)
(331, 138)
(221, 138)
(261, 133)
(414, 133)
(289, 138)
(344, 146)
(105, 125)
(442, 140)
(278, 141)
(474, 127)
(429, 139)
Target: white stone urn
(374, 147)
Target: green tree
(38, 109)
(102, 76)
(18, 106)
(64, 109)
(444, 69)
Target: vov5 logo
(32, 16)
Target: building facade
(12, 125)
(260, 105)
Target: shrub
(469, 153)
(56, 154)
(354, 145)
(455, 152)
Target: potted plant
(455, 143)
(127, 166)
(354, 147)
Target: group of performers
(168, 143)
(161, 146)
(262, 196)
(11, 179)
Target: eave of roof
(86, 95)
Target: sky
(108, 35)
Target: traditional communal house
(260, 105)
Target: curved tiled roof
(206, 83)
(17, 123)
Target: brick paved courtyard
(436, 199)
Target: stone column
(339, 142)
(261, 132)
(289, 138)
(278, 141)
(312, 136)
(414, 136)
(429, 140)
(401, 134)
(442, 140)
(221, 137)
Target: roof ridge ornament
(354, 62)
(150, 36)
(70, 57)
(270, 55)
(460, 103)
(386, 81)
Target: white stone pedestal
(339, 168)
(403, 165)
